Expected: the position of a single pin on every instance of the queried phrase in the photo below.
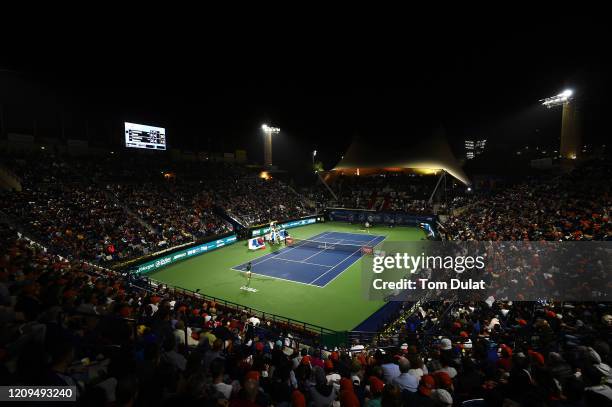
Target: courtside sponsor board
(286, 225)
(192, 251)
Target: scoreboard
(143, 136)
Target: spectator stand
(303, 333)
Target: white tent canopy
(426, 152)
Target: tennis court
(339, 305)
(315, 261)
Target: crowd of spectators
(73, 323)
(82, 221)
(512, 353)
(173, 213)
(110, 209)
(256, 201)
(69, 323)
(574, 206)
(392, 191)
(123, 342)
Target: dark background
(476, 80)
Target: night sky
(476, 82)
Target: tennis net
(314, 244)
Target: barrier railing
(311, 334)
(385, 217)
(168, 251)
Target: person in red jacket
(348, 398)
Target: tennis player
(249, 273)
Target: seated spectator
(323, 393)
(406, 381)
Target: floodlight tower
(268, 132)
(570, 138)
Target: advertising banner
(164, 261)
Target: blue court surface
(314, 265)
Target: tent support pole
(326, 186)
(443, 176)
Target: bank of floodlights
(558, 100)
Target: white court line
(321, 251)
(339, 274)
(338, 242)
(321, 235)
(318, 251)
(357, 234)
(265, 259)
(345, 259)
(269, 256)
(278, 278)
(371, 240)
(304, 262)
(359, 242)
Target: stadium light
(314, 153)
(570, 138)
(268, 132)
(558, 100)
(270, 129)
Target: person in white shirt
(451, 371)
(179, 335)
(418, 369)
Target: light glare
(558, 100)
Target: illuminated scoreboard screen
(143, 136)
